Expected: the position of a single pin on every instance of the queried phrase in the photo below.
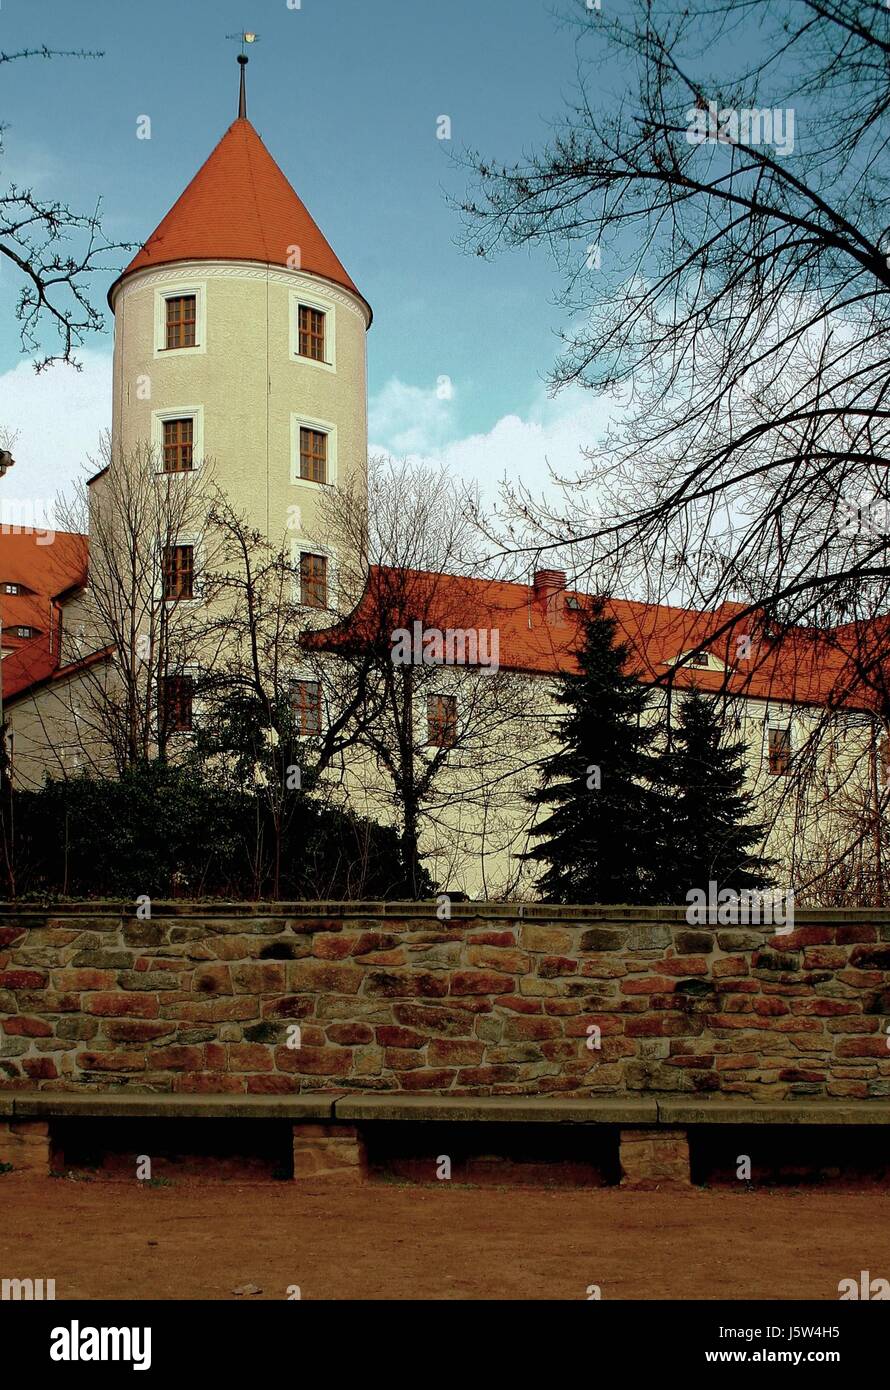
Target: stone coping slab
(684, 1110)
(536, 912)
(59, 1105)
(327, 1106)
(637, 1110)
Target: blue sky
(368, 166)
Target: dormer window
(13, 588)
(699, 660)
(181, 320)
(24, 632)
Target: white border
(328, 308)
(305, 546)
(181, 412)
(298, 422)
(171, 290)
(197, 572)
(185, 272)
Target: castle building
(240, 342)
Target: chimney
(548, 590)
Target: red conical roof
(240, 207)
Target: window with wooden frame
(441, 720)
(179, 571)
(177, 695)
(179, 444)
(311, 333)
(181, 317)
(313, 580)
(307, 707)
(779, 749)
(313, 455)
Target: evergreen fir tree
(711, 832)
(599, 839)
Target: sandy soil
(396, 1241)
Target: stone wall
(501, 1000)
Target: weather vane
(243, 38)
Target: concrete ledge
(688, 1110)
(650, 1111)
(601, 1110)
(55, 1105)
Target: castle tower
(240, 338)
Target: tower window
(307, 706)
(177, 694)
(179, 571)
(181, 318)
(179, 443)
(312, 333)
(441, 719)
(780, 751)
(313, 581)
(313, 455)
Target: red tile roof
(240, 207)
(537, 634)
(45, 571)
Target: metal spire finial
(244, 37)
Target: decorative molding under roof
(182, 271)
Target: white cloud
(58, 416)
(550, 434)
(412, 419)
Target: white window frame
(326, 307)
(192, 671)
(308, 547)
(157, 436)
(776, 719)
(711, 663)
(298, 422)
(197, 568)
(302, 673)
(172, 291)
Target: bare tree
(55, 250)
(737, 297)
(449, 726)
(143, 609)
(724, 242)
(277, 715)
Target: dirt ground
(202, 1240)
